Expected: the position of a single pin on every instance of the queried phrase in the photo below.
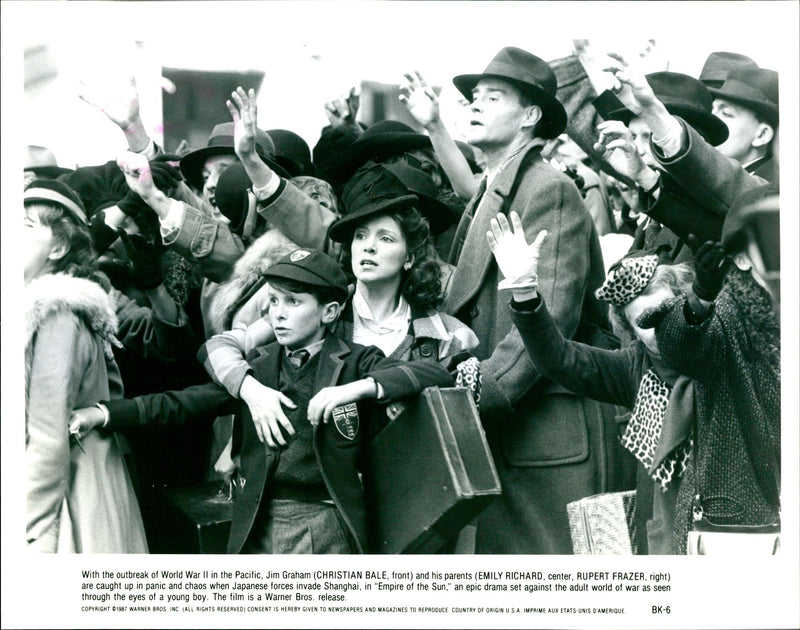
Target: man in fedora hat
(700, 181)
(747, 101)
(549, 446)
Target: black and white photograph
(468, 314)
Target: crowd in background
(596, 264)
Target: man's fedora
(220, 142)
(379, 141)
(720, 64)
(686, 97)
(753, 88)
(530, 74)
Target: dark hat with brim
(231, 195)
(419, 183)
(56, 192)
(220, 142)
(379, 141)
(720, 64)
(686, 97)
(531, 75)
(42, 162)
(753, 88)
(372, 191)
(291, 152)
(313, 268)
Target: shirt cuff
(171, 223)
(268, 189)
(150, 151)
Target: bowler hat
(42, 162)
(231, 195)
(720, 64)
(686, 97)
(380, 140)
(310, 267)
(220, 142)
(753, 88)
(530, 74)
(373, 190)
(291, 152)
(54, 191)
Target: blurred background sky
(305, 53)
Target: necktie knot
(299, 358)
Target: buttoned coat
(550, 446)
(338, 457)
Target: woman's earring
(407, 266)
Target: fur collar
(262, 253)
(57, 293)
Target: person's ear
(764, 135)
(533, 114)
(58, 251)
(330, 312)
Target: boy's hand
(244, 112)
(268, 417)
(321, 406)
(84, 420)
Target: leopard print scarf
(642, 435)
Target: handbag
(706, 538)
(603, 524)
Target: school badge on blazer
(346, 420)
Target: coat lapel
(476, 258)
(331, 362)
(267, 365)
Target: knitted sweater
(734, 357)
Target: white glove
(518, 261)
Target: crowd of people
(595, 263)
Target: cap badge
(299, 255)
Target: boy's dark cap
(313, 268)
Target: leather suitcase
(193, 519)
(429, 473)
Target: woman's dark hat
(530, 74)
(419, 183)
(686, 97)
(720, 64)
(371, 191)
(220, 142)
(313, 268)
(54, 191)
(291, 152)
(753, 88)
(378, 142)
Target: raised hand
(122, 107)
(244, 111)
(711, 266)
(518, 261)
(137, 173)
(266, 408)
(631, 86)
(342, 111)
(616, 144)
(420, 99)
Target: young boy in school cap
(307, 417)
